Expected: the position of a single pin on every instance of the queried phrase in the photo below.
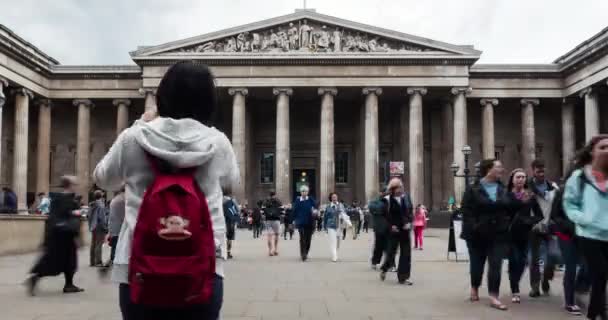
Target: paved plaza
(261, 287)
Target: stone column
(3, 84)
(20, 155)
(283, 161)
(487, 127)
(592, 113)
(568, 134)
(371, 147)
(416, 154)
(447, 134)
(150, 96)
(528, 134)
(83, 146)
(239, 141)
(460, 135)
(327, 167)
(43, 163)
(122, 114)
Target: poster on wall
(396, 168)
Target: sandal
(516, 298)
(474, 298)
(499, 306)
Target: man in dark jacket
(399, 214)
(380, 227)
(10, 201)
(305, 213)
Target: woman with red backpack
(174, 164)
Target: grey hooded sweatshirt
(184, 143)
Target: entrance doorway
(304, 177)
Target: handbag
(69, 225)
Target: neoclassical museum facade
(310, 98)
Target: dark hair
(41, 194)
(485, 166)
(331, 194)
(512, 175)
(98, 194)
(583, 156)
(187, 90)
(272, 193)
(538, 164)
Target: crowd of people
(173, 213)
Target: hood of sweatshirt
(183, 143)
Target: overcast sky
(104, 32)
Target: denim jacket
(334, 215)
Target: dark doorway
(305, 177)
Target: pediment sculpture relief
(304, 36)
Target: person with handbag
(59, 248)
(485, 227)
(526, 214)
(335, 219)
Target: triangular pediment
(303, 33)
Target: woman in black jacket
(62, 231)
(485, 228)
(526, 213)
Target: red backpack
(173, 253)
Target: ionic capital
(485, 102)
(146, 91)
(285, 91)
(23, 92)
(43, 102)
(125, 102)
(461, 90)
(586, 91)
(82, 102)
(241, 91)
(331, 91)
(374, 90)
(533, 102)
(420, 90)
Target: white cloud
(103, 32)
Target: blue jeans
(573, 261)
(208, 311)
(518, 254)
(479, 252)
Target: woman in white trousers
(334, 220)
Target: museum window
(267, 167)
(341, 169)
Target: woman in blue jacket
(586, 204)
(335, 219)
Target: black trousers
(399, 240)
(380, 245)
(479, 252)
(596, 256)
(305, 239)
(208, 311)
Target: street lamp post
(466, 150)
